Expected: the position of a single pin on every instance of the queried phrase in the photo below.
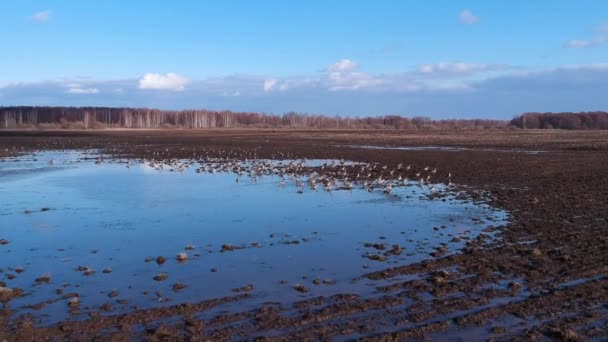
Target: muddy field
(545, 277)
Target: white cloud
(581, 67)
(273, 84)
(235, 93)
(79, 90)
(41, 16)
(169, 81)
(467, 17)
(343, 75)
(581, 43)
(577, 43)
(343, 65)
(351, 80)
(270, 84)
(601, 37)
(458, 68)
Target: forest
(24, 117)
(565, 120)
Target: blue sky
(443, 59)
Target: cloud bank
(439, 90)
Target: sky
(443, 59)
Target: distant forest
(566, 120)
(23, 117)
(102, 117)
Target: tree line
(565, 120)
(16, 117)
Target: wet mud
(541, 275)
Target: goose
(388, 188)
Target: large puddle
(96, 227)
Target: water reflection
(444, 148)
(97, 226)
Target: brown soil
(545, 277)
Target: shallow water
(443, 148)
(107, 215)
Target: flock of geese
(328, 175)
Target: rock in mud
(37, 307)
(178, 286)
(376, 257)
(498, 330)
(182, 257)
(228, 248)
(439, 252)
(74, 302)
(439, 280)
(378, 246)
(161, 276)
(70, 295)
(106, 307)
(161, 333)
(45, 278)
(301, 288)
(395, 250)
(440, 277)
(245, 288)
(8, 294)
(565, 334)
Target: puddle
(65, 210)
(442, 148)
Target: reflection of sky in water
(128, 214)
